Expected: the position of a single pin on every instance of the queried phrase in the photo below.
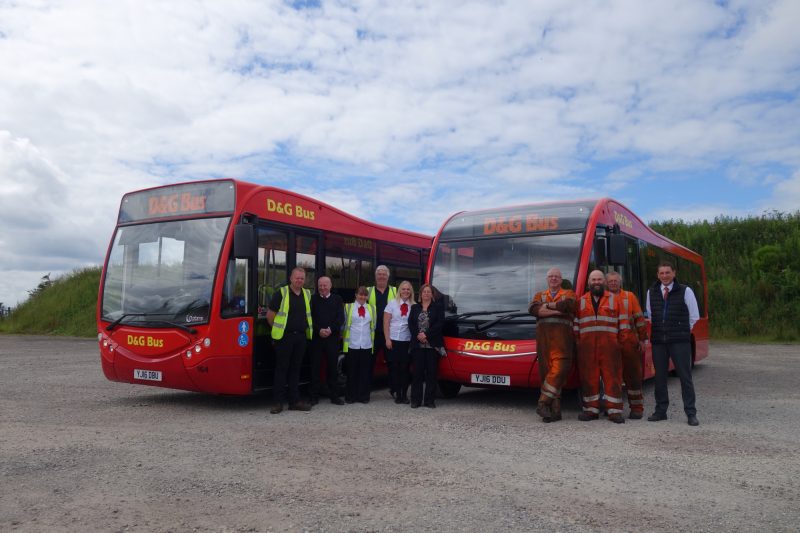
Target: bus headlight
(206, 342)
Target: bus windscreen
(163, 271)
(477, 275)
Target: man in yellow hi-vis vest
(378, 296)
(289, 314)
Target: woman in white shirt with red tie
(358, 336)
(398, 338)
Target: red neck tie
(404, 309)
(666, 292)
(361, 311)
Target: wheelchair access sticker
(244, 340)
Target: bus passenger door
(271, 274)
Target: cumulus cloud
(403, 112)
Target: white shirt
(398, 326)
(688, 298)
(360, 334)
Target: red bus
(488, 264)
(191, 268)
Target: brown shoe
(543, 410)
(299, 406)
(277, 408)
(617, 418)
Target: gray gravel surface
(81, 453)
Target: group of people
(606, 326)
(383, 319)
(608, 329)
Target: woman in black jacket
(425, 322)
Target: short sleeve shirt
(398, 325)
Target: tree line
(753, 272)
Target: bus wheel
(448, 389)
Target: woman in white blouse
(398, 338)
(357, 336)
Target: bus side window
(235, 298)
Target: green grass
(66, 307)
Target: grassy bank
(64, 307)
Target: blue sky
(402, 112)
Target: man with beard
(597, 330)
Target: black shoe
(313, 401)
(398, 399)
(657, 417)
(277, 408)
(586, 417)
(431, 405)
(692, 420)
(337, 401)
(348, 400)
(635, 415)
(299, 406)
(414, 405)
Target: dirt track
(80, 453)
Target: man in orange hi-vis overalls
(554, 309)
(633, 337)
(597, 332)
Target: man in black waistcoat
(673, 312)
(327, 316)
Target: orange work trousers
(632, 374)
(555, 348)
(599, 357)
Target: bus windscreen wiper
(518, 314)
(477, 313)
(120, 319)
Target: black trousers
(289, 353)
(681, 355)
(359, 374)
(426, 364)
(329, 349)
(399, 363)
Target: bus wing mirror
(617, 249)
(244, 241)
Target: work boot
(542, 409)
(555, 410)
(617, 418)
(587, 416)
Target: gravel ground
(80, 453)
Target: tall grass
(66, 307)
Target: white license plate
(489, 379)
(147, 375)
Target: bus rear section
(487, 265)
